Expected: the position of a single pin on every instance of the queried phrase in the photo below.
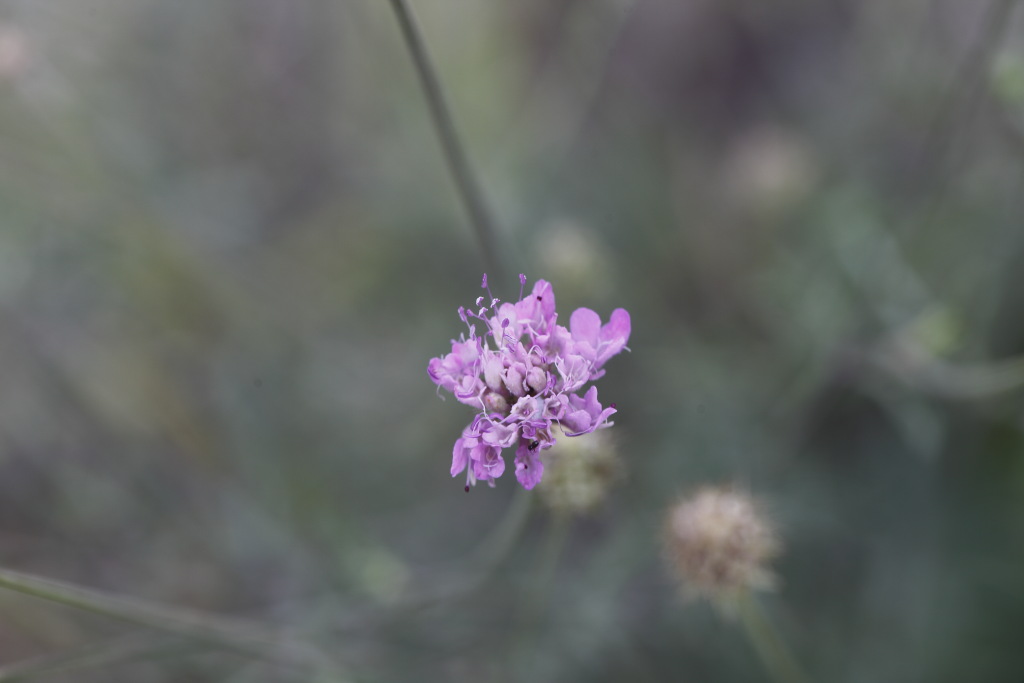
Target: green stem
(553, 546)
(911, 362)
(771, 649)
(959, 107)
(532, 607)
(469, 574)
(543, 580)
(133, 648)
(227, 633)
(465, 181)
(497, 545)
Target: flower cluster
(524, 374)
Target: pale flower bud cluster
(579, 473)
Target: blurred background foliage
(229, 246)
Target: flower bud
(495, 403)
(492, 373)
(579, 471)
(514, 380)
(536, 379)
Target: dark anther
(612, 405)
(467, 488)
(534, 445)
(539, 297)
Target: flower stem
(458, 165)
(91, 656)
(955, 112)
(558, 532)
(503, 536)
(532, 608)
(771, 649)
(227, 633)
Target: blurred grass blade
(93, 655)
(240, 636)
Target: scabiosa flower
(523, 374)
(718, 544)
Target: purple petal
(487, 463)
(544, 294)
(575, 371)
(578, 421)
(585, 326)
(435, 368)
(614, 335)
(539, 306)
(468, 390)
(499, 435)
(459, 458)
(554, 408)
(590, 402)
(590, 406)
(529, 468)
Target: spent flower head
(524, 373)
(718, 543)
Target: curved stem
(469, 574)
(911, 362)
(465, 181)
(770, 648)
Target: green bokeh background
(229, 246)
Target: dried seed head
(718, 544)
(579, 471)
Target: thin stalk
(502, 538)
(463, 579)
(909, 361)
(958, 108)
(540, 586)
(771, 649)
(132, 648)
(458, 164)
(550, 555)
(227, 633)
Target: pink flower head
(524, 376)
